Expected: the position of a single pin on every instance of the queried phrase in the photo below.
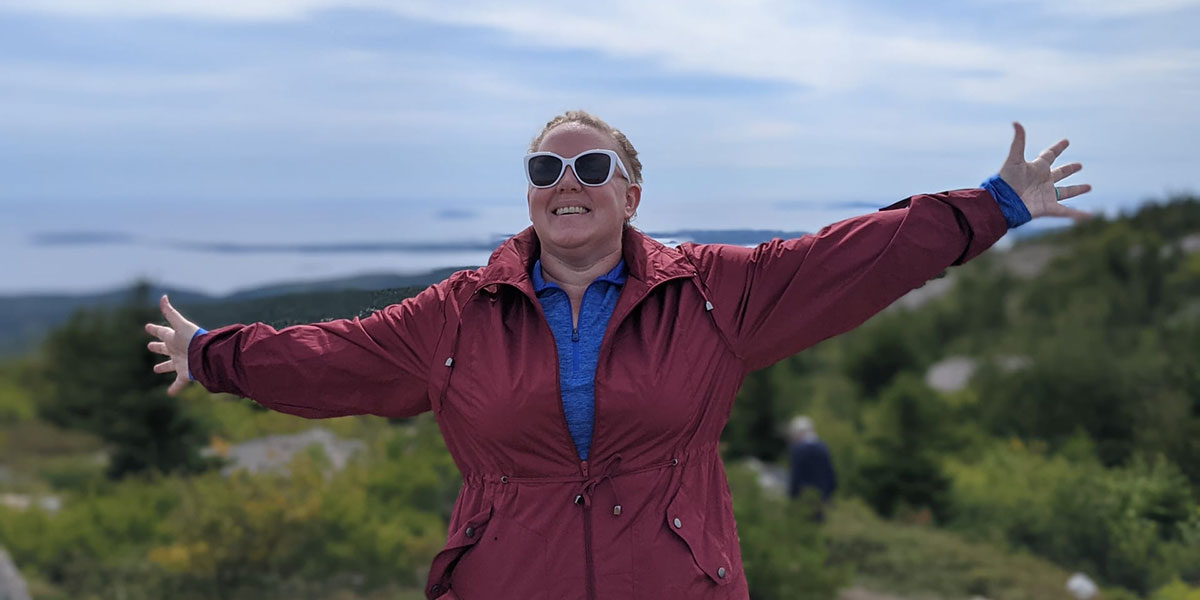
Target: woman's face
(596, 230)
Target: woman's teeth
(571, 210)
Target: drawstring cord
(588, 486)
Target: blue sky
(310, 121)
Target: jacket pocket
(458, 543)
(686, 520)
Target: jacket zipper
(583, 465)
(589, 572)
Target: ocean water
(221, 247)
(45, 249)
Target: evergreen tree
(903, 467)
(97, 375)
(754, 427)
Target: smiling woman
(582, 378)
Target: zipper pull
(575, 335)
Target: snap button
(721, 572)
(449, 361)
(674, 461)
(470, 532)
(579, 499)
(436, 589)
(504, 479)
(617, 510)
(678, 523)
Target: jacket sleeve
(379, 365)
(782, 296)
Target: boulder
(12, 587)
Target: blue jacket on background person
(812, 466)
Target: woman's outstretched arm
(377, 365)
(786, 295)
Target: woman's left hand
(1034, 181)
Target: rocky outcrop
(273, 453)
(12, 587)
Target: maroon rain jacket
(649, 515)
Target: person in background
(811, 465)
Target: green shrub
(783, 552)
(1134, 527)
(916, 560)
(902, 470)
(16, 403)
(308, 527)
(369, 530)
(1177, 590)
(92, 530)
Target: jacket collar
(646, 259)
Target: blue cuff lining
(198, 332)
(1010, 202)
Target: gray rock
(950, 374)
(50, 504)
(12, 587)
(274, 452)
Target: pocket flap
(685, 518)
(459, 542)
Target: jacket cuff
(199, 332)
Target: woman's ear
(633, 198)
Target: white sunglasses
(591, 167)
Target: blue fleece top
(579, 346)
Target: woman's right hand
(173, 343)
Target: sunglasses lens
(593, 168)
(544, 170)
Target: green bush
(309, 527)
(902, 470)
(91, 531)
(369, 530)
(922, 561)
(1134, 527)
(1177, 590)
(783, 551)
(16, 403)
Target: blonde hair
(625, 149)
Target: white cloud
(1101, 9)
(827, 49)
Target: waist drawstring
(588, 486)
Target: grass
(920, 561)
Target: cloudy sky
(134, 132)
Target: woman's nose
(568, 181)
